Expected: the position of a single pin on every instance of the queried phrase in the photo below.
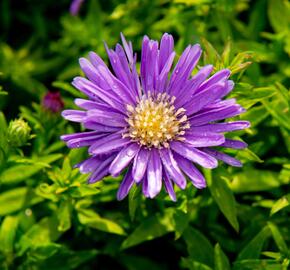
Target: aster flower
(158, 125)
(52, 102)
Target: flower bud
(18, 132)
(52, 102)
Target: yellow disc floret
(154, 121)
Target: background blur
(51, 219)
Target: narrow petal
(235, 144)
(154, 174)
(166, 49)
(169, 186)
(216, 114)
(90, 164)
(125, 186)
(73, 115)
(123, 158)
(191, 171)
(223, 157)
(194, 154)
(108, 144)
(102, 170)
(222, 127)
(197, 139)
(140, 164)
(106, 118)
(100, 128)
(172, 168)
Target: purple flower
(52, 102)
(157, 125)
(75, 7)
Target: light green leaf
(221, 262)
(22, 172)
(280, 204)
(39, 235)
(93, 220)
(278, 12)
(224, 198)
(253, 249)
(134, 201)
(64, 215)
(7, 234)
(16, 199)
(251, 180)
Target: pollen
(154, 122)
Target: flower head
(52, 102)
(157, 125)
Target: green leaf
(224, 198)
(7, 234)
(198, 247)
(221, 262)
(153, 227)
(64, 215)
(278, 238)
(277, 113)
(257, 265)
(93, 220)
(278, 12)
(22, 172)
(134, 200)
(253, 249)
(280, 204)
(16, 199)
(39, 235)
(194, 265)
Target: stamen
(154, 122)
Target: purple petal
(192, 85)
(224, 157)
(191, 171)
(140, 164)
(204, 97)
(123, 159)
(169, 186)
(128, 49)
(90, 164)
(75, 7)
(94, 92)
(194, 154)
(106, 118)
(184, 68)
(198, 139)
(101, 171)
(100, 128)
(219, 76)
(235, 144)
(166, 49)
(154, 174)
(172, 168)
(215, 114)
(221, 127)
(73, 115)
(125, 186)
(82, 139)
(107, 144)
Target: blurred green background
(51, 219)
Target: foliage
(51, 219)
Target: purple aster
(159, 124)
(75, 7)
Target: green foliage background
(51, 219)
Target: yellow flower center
(154, 121)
